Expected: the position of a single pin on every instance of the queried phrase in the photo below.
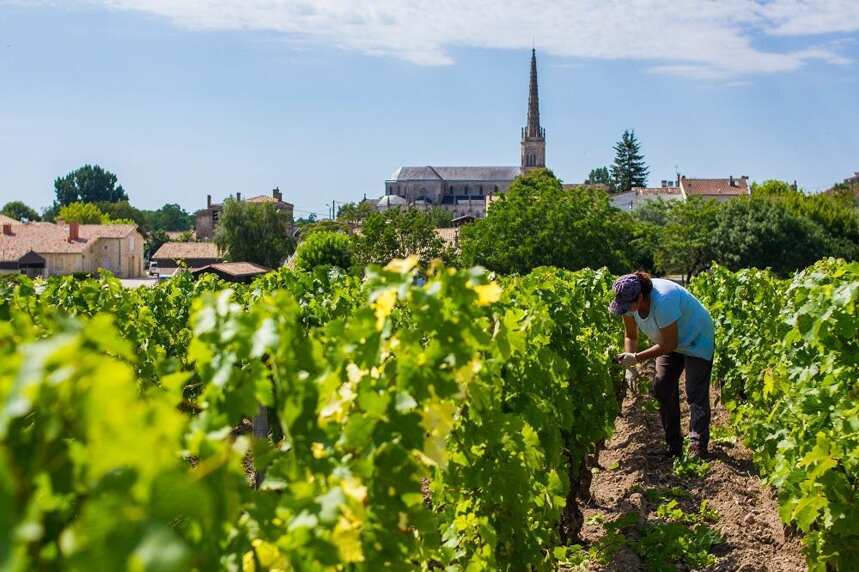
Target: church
(466, 191)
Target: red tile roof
(235, 268)
(715, 187)
(268, 199)
(7, 220)
(187, 250)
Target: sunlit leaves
(414, 420)
(788, 357)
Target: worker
(681, 329)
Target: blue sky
(326, 99)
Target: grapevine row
(788, 358)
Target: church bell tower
(533, 136)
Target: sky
(326, 98)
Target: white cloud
(805, 17)
(706, 39)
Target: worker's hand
(627, 359)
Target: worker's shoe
(696, 451)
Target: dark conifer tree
(629, 169)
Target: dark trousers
(666, 390)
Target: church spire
(533, 136)
(533, 129)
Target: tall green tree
(254, 232)
(537, 223)
(629, 169)
(89, 184)
(398, 233)
(19, 211)
(600, 176)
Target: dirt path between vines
(754, 537)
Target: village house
(639, 196)
(207, 219)
(48, 249)
(243, 272)
(172, 255)
(716, 189)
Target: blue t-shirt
(669, 303)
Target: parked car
(153, 269)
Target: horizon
(181, 101)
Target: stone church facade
(466, 191)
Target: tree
(765, 234)
(170, 217)
(325, 249)
(83, 213)
(398, 233)
(835, 212)
(89, 184)
(600, 176)
(153, 243)
(741, 233)
(20, 211)
(629, 169)
(123, 210)
(326, 225)
(441, 218)
(684, 245)
(537, 223)
(309, 219)
(356, 213)
(254, 232)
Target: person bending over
(682, 332)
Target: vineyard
(438, 421)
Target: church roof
(455, 174)
(391, 201)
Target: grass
(688, 465)
(674, 537)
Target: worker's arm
(666, 346)
(630, 335)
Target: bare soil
(755, 538)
